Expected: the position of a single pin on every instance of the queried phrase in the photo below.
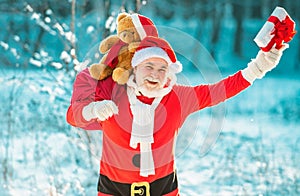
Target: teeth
(151, 82)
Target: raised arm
(201, 96)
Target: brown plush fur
(128, 34)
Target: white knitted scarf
(143, 124)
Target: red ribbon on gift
(284, 31)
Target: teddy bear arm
(107, 43)
(133, 46)
(125, 64)
(100, 71)
(121, 75)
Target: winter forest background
(43, 44)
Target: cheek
(138, 77)
(142, 73)
(162, 77)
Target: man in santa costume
(140, 120)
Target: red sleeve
(86, 90)
(202, 96)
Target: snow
(17, 38)
(59, 28)
(110, 24)
(4, 45)
(57, 65)
(65, 56)
(49, 12)
(90, 29)
(70, 36)
(35, 62)
(253, 151)
(47, 19)
(39, 21)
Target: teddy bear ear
(121, 16)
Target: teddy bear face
(129, 35)
(126, 30)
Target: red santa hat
(144, 26)
(156, 47)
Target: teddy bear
(119, 49)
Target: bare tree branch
(73, 37)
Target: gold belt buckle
(140, 188)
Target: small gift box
(278, 29)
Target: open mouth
(151, 82)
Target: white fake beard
(146, 89)
(150, 93)
(171, 78)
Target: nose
(154, 74)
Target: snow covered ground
(256, 152)
(257, 147)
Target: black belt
(158, 187)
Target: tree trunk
(238, 14)
(107, 5)
(217, 17)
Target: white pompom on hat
(156, 47)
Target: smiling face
(151, 74)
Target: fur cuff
(87, 112)
(252, 72)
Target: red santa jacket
(119, 161)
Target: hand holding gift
(279, 29)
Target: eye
(148, 67)
(162, 70)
